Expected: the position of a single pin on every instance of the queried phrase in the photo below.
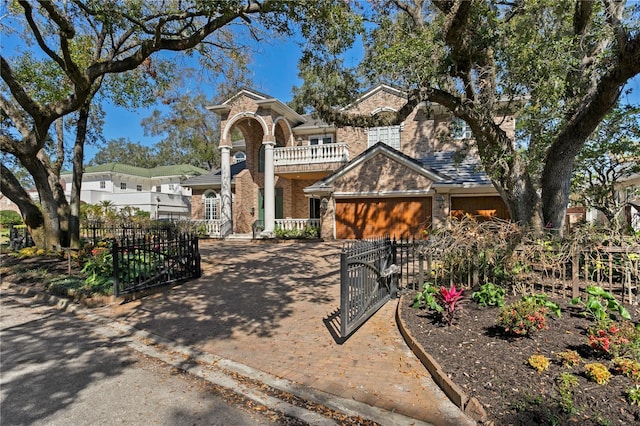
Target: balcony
(310, 162)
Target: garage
(481, 208)
(376, 217)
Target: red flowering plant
(523, 318)
(615, 339)
(451, 302)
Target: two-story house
(157, 190)
(351, 182)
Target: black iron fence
(95, 231)
(368, 279)
(143, 263)
(19, 237)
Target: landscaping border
(470, 406)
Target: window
(103, 184)
(139, 188)
(320, 140)
(158, 188)
(314, 208)
(460, 129)
(211, 206)
(123, 186)
(388, 134)
(172, 187)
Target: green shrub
(522, 318)
(9, 217)
(601, 305)
(489, 295)
(308, 232)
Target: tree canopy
(88, 49)
(557, 66)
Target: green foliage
(489, 295)
(541, 299)
(9, 217)
(428, 299)
(633, 395)
(601, 305)
(308, 232)
(566, 383)
(608, 157)
(522, 318)
(98, 268)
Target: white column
(269, 190)
(226, 218)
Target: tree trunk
(31, 214)
(76, 185)
(52, 236)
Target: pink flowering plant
(450, 300)
(446, 303)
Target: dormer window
(389, 135)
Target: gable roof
(214, 178)
(378, 148)
(126, 169)
(379, 88)
(443, 168)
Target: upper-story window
(158, 188)
(387, 134)
(172, 187)
(103, 184)
(460, 129)
(123, 186)
(320, 140)
(139, 188)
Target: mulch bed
(493, 367)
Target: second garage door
(376, 217)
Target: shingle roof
(457, 168)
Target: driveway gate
(368, 279)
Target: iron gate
(368, 279)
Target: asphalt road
(56, 370)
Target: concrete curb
(220, 370)
(470, 406)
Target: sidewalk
(272, 306)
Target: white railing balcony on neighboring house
(297, 224)
(312, 158)
(210, 228)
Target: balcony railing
(313, 154)
(297, 224)
(210, 228)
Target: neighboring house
(158, 190)
(629, 194)
(351, 182)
